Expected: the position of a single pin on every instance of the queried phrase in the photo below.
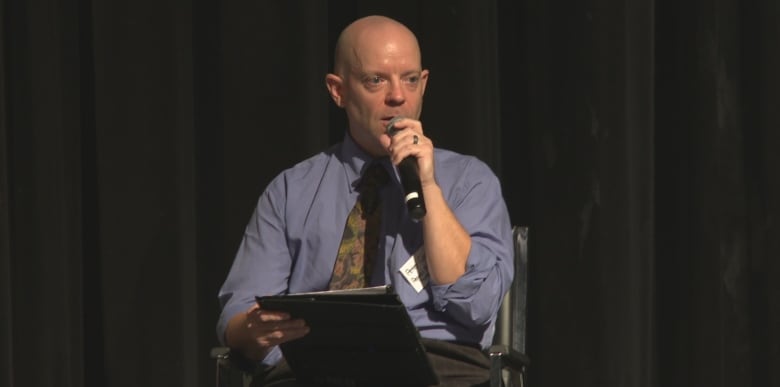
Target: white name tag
(409, 270)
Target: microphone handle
(410, 180)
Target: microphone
(410, 179)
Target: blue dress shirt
(292, 239)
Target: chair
(508, 361)
(230, 372)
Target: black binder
(360, 337)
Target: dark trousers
(456, 365)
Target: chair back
(510, 325)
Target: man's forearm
(447, 244)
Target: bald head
(377, 75)
(367, 33)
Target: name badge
(415, 270)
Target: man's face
(382, 81)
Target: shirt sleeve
(476, 200)
(263, 262)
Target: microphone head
(391, 131)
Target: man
(462, 247)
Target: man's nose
(395, 94)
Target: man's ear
(424, 81)
(335, 84)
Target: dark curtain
(717, 180)
(577, 98)
(637, 140)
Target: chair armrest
(504, 357)
(510, 357)
(230, 359)
(220, 353)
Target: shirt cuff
(477, 269)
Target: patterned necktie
(359, 244)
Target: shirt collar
(355, 160)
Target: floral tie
(359, 244)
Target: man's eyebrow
(379, 73)
(363, 71)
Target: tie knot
(375, 176)
(373, 179)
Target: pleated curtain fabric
(359, 244)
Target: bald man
(462, 247)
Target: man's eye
(413, 79)
(375, 80)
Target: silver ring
(415, 139)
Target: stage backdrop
(637, 140)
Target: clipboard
(358, 337)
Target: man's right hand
(256, 331)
